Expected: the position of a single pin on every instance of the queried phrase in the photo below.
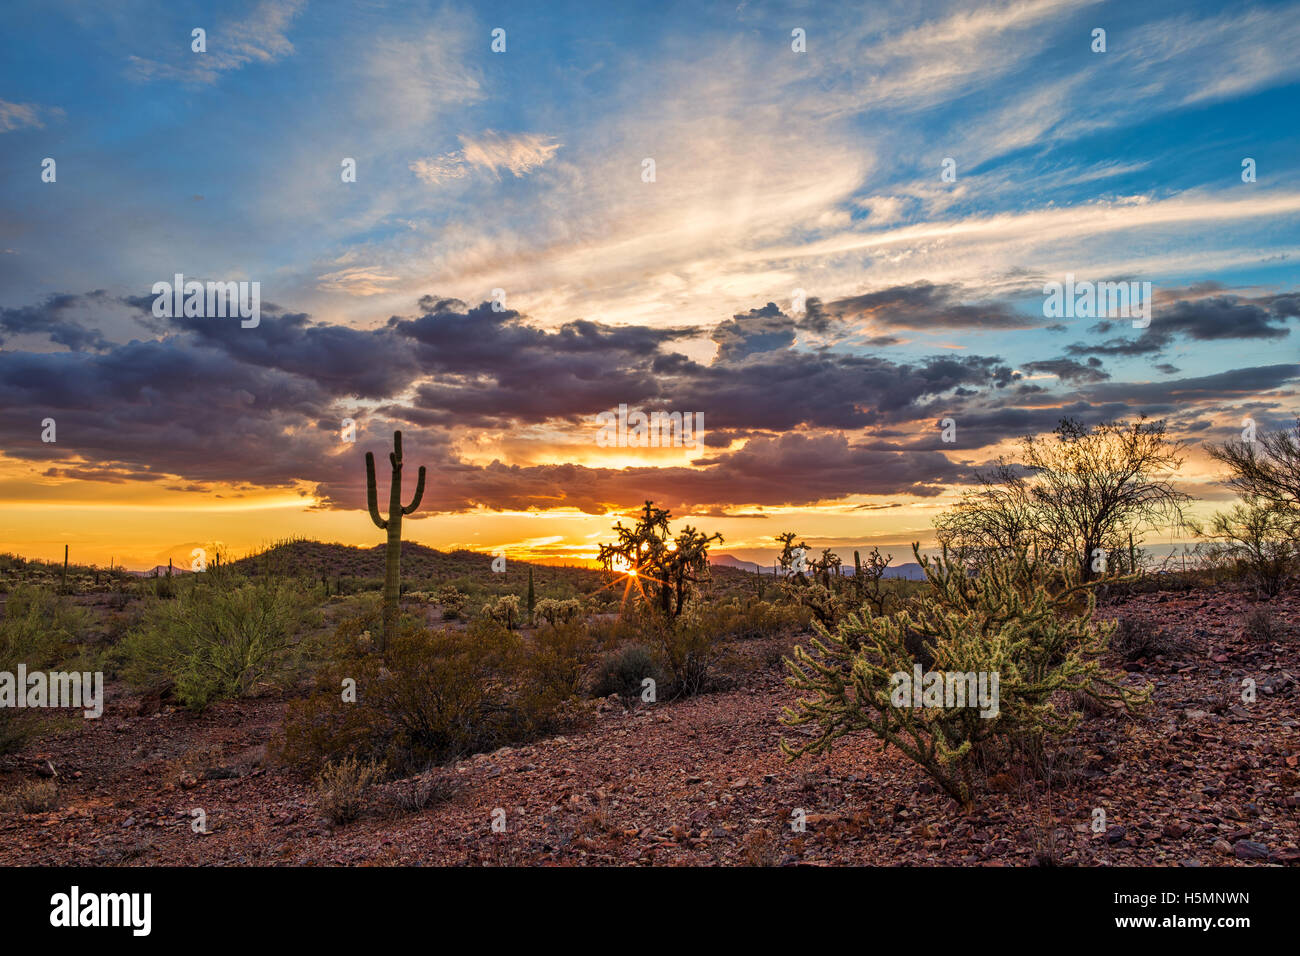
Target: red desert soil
(1203, 779)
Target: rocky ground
(1201, 779)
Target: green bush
(622, 671)
(432, 697)
(1003, 622)
(214, 642)
(39, 628)
(559, 658)
(751, 620)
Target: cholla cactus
(504, 610)
(555, 612)
(1031, 628)
(393, 525)
(665, 569)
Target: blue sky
(776, 170)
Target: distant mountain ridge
(910, 570)
(315, 559)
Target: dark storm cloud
(55, 317)
(209, 401)
(925, 305)
(343, 361)
(786, 470)
(760, 330)
(1181, 393)
(163, 407)
(1212, 318)
(1068, 370)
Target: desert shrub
(39, 628)
(753, 620)
(1133, 639)
(31, 796)
(688, 651)
(622, 671)
(341, 788)
(422, 791)
(762, 848)
(1260, 539)
(1081, 490)
(364, 615)
(13, 733)
(432, 697)
(1261, 627)
(558, 612)
(559, 658)
(504, 610)
(211, 643)
(1003, 622)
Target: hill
(315, 559)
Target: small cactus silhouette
(393, 525)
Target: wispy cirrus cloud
(357, 280)
(26, 115)
(492, 152)
(261, 37)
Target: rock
(1223, 846)
(1250, 850)
(1116, 835)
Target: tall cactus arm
(419, 493)
(372, 497)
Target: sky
(826, 228)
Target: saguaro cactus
(393, 557)
(531, 596)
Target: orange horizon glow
(141, 524)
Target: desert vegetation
(381, 678)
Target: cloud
(926, 305)
(1068, 370)
(259, 38)
(26, 115)
(55, 317)
(358, 280)
(786, 424)
(519, 155)
(1204, 318)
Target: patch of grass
(341, 788)
(1135, 639)
(31, 796)
(1261, 626)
